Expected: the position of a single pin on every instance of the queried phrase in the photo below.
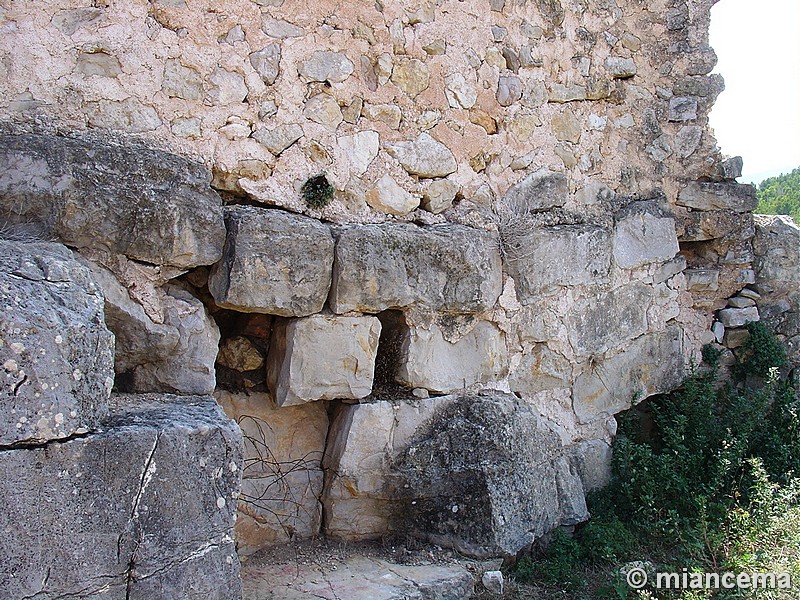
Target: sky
(757, 117)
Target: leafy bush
(713, 487)
(317, 191)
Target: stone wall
(422, 252)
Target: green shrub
(560, 567)
(317, 191)
(712, 487)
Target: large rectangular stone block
(642, 236)
(274, 262)
(651, 364)
(718, 195)
(322, 358)
(543, 258)
(479, 473)
(146, 204)
(282, 473)
(428, 360)
(605, 321)
(56, 355)
(143, 509)
(446, 268)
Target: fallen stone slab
(355, 578)
(446, 268)
(144, 508)
(149, 205)
(56, 355)
(274, 262)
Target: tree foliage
(780, 195)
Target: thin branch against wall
(276, 487)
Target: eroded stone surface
(146, 505)
(355, 578)
(274, 262)
(566, 255)
(652, 364)
(56, 355)
(642, 236)
(146, 204)
(703, 195)
(281, 472)
(322, 358)
(430, 361)
(449, 268)
(424, 157)
(500, 481)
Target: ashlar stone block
(56, 355)
(274, 262)
(444, 268)
(322, 358)
(142, 509)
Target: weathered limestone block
(699, 226)
(541, 190)
(539, 258)
(138, 339)
(143, 508)
(334, 67)
(445, 268)
(481, 474)
(148, 205)
(274, 262)
(737, 317)
(651, 364)
(322, 358)
(777, 255)
(541, 369)
(777, 250)
(56, 355)
(189, 367)
(430, 361)
(642, 236)
(713, 195)
(702, 280)
(600, 323)
(282, 472)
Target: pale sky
(757, 117)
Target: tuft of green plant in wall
(712, 486)
(317, 191)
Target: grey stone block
(56, 355)
(446, 268)
(142, 509)
(149, 205)
(274, 262)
